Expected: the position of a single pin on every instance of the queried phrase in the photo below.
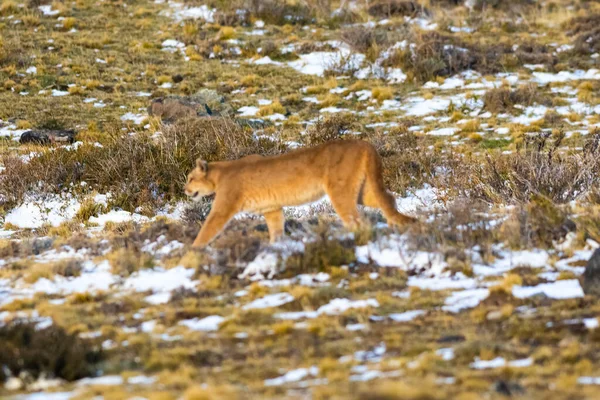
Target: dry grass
(363, 39)
(503, 99)
(137, 170)
(389, 8)
(539, 169)
(330, 128)
(50, 351)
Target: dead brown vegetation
(389, 8)
(138, 170)
(503, 99)
(585, 31)
(50, 351)
(540, 168)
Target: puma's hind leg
(344, 199)
(374, 193)
(385, 201)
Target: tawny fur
(348, 171)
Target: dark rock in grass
(591, 277)
(50, 351)
(508, 389)
(451, 339)
(205, 103)
(48, 136)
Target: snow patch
(207, 324)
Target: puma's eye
(189, 179)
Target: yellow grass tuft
(382, 93)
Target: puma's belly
(270, 200)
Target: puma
(348, 171)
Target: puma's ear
(202, 165)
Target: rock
(590, 281)
(204, 103)
(508, 389)
(48, 136)
(451, 339)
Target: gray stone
(48, 136)
(590, 281)
(205, 103)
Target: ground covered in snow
(486, 115)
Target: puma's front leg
(275, 223)
(220, 214)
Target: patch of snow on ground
(418, 106)
(565, 289)
(207, 324)
(161, 280)
(508, 260)
(588, 380)
(35, 213)
(108, 380)
(48, 11)
(293, 376)
(339, 306)
(499, 362)
(270, 300)
(135, 118)
(46, 396)
(248, 111)
(117, 216)
(181, 13)
(425, 198)
(443, 132)
(406, 316)
(334, 307)
(92, 278)
(458, 281)
(318, 62)
(464, 299)
(263, 266)
(12, 132)
(393, 251)
(565, 76)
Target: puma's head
(198, 185)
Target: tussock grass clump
(50, 351)
(539, 168)
(503, 99)
(586, 33)
(382, 93)
(324, 252)
(273, 108)
(434, 55)
(277, 12)
(481, 5)
(389, 8)
(125, 262)
(331, 128)
(538, 223)
(362, 38)
(407, 159)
